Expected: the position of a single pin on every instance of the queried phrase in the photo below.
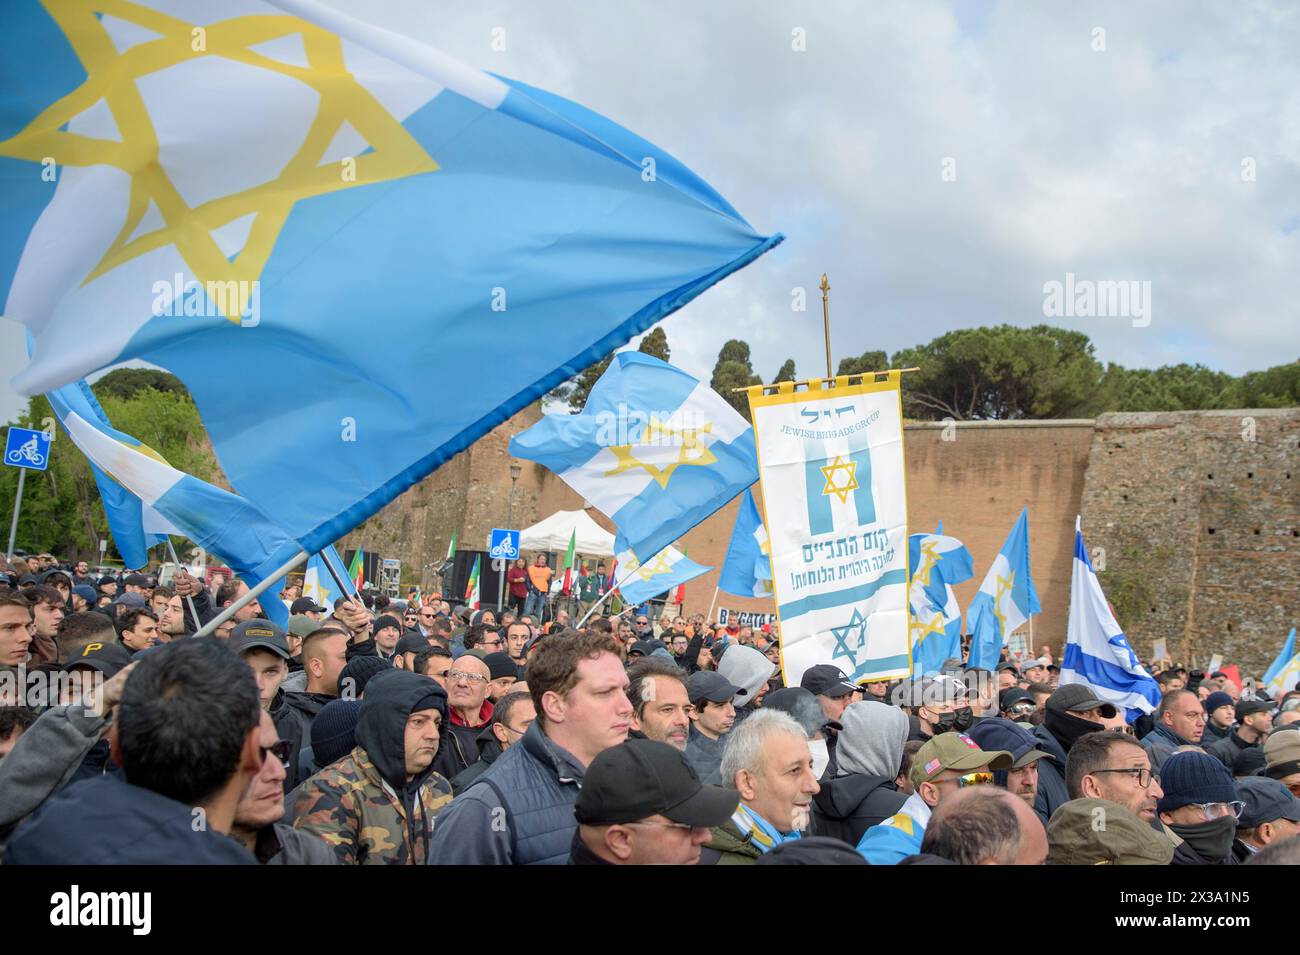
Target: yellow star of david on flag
(639, 580)
(846, 481)
(655, 449)
(235, 190)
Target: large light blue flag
(336, 291)
(935, 563)
(654, 449)
(1096, 651)
(212, 518)
(1005, 600)
(123, 509)
(638, 580)
(1283, 658)
(747, 569)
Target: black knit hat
(359, 670)
(334, 731)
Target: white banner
(831, 466)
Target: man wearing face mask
(1071, 711)
(944, 706)
(1199, 809)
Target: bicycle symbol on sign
(27, 452)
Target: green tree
(1276, 387)
(867, 361)
(733, 370)
(577, 389)
(1002, 372)
(787, 372)
(1170, 388)
(128, 382)
(62, 511)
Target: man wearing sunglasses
(944, 765)
(1199, 808)
(257, 817)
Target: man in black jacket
(511, 717)
(1254, 720)
(1071, 711)
(1199, 809)
(324, 654)
(869, 751)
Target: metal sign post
(503, 547)
(29, 451)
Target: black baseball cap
(643, 777)
(305, 605)
(1265, 801)
(644, 647)
(1013, 695)
(712, 686)
(826, 679)
(1078, 698)
(136, 580)
(412, 641)
(1247, 707)
(258, 635)
(107, 658)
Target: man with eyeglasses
(1018, 706)
(642, 804)
(945, 764)
(511, 717)
(1179, 721)
(1199, 808)
(257, 817)
(1113, 766)
(468, 711)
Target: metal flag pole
(708, 617)
(177, 561)
(253, 594)
(349, 589)
(826, 320)
(18, 503)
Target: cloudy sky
(942, 161)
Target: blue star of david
(857, 625)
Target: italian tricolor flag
(680, 596)
(357, 569)
(451, 548)
(471, 589)
(568, 562)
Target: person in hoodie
(333, 736)
(943, 766)
(186, 735)
(1199, 809)
(1179, 721)
(748, 669)
(869, 752)
(511, 717)
(1070, 712)
(324, 654)
(377, 805)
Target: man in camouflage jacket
(376, 806)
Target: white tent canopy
(553, 533)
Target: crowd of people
(418, 731)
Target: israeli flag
(654, 449)
(1283, 658)
(380, 191)
(1096, 651)
(1005, 600)
(216, 520)
(127, 516)
(935, 563)
(638, 580)
(747, 569)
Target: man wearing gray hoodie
(748, 669)
(869, 751)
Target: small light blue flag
(639, 581)
(747, 569)
(1005, 600)
(935, 563)
(654, 449)
(382, 192)
(1283, 658)
(1097, 653)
